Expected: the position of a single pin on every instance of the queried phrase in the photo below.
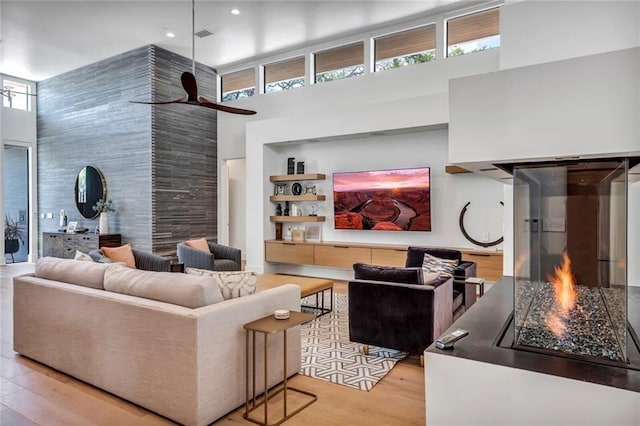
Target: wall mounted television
(385, 200)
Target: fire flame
(565, 297)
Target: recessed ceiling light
(235, 11)
(170, 34)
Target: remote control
(447, 341)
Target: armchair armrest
(150, 261)
(225, 252)
(465, 270)
(194, 258)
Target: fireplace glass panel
(570, 276)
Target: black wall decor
(160, 162)
(291, 165)
(300, 170)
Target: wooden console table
(60, 244)
(344, 255)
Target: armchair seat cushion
(225, 265)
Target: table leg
(285, 374)
(246, 378)
(266, 382)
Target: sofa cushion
(179, 289)
(200, 244)
(232, 284)
(363, 271)
(436, 264)
(120, 254)
(87, 274)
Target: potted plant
(104, 207)
(13, 234)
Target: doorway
(15, 178)
(236, 219)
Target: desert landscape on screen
(385, 200)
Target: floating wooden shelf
(291, 178)
(451, 169)
(303, 197)
(296, 218)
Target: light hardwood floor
(31, 393)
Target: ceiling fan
(191, 87)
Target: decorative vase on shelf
(104, 223)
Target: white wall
(585, 106)
(497, 395)
(534, 32)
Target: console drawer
(388, 257)
(288, 252)
(341, 256)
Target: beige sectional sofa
(185, 363)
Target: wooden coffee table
(308, 287)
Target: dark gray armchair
(144, 260)
(464, 270)
(390, 308)
(221, 258)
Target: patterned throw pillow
(232, 284)
(82, 256)
(432, 264)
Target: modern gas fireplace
(570, 259)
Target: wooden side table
(269, 325)
(477, 282)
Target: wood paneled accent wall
(159, 162)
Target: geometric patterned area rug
(327, 353)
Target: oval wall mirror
(90, 187)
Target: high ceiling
(41, 39)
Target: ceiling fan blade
(189, 85)
(207, 103)
(175, 101)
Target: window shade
(238, 80)
(340, 57)
(285, 70)
(473, 27)
(406, 42)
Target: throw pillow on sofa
(363, 271)
(199, 244)
(232, 284)
(179, 289)
(433, 264)
(82, 256)
(120, 254)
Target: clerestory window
(474, 32)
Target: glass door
(15, 180)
